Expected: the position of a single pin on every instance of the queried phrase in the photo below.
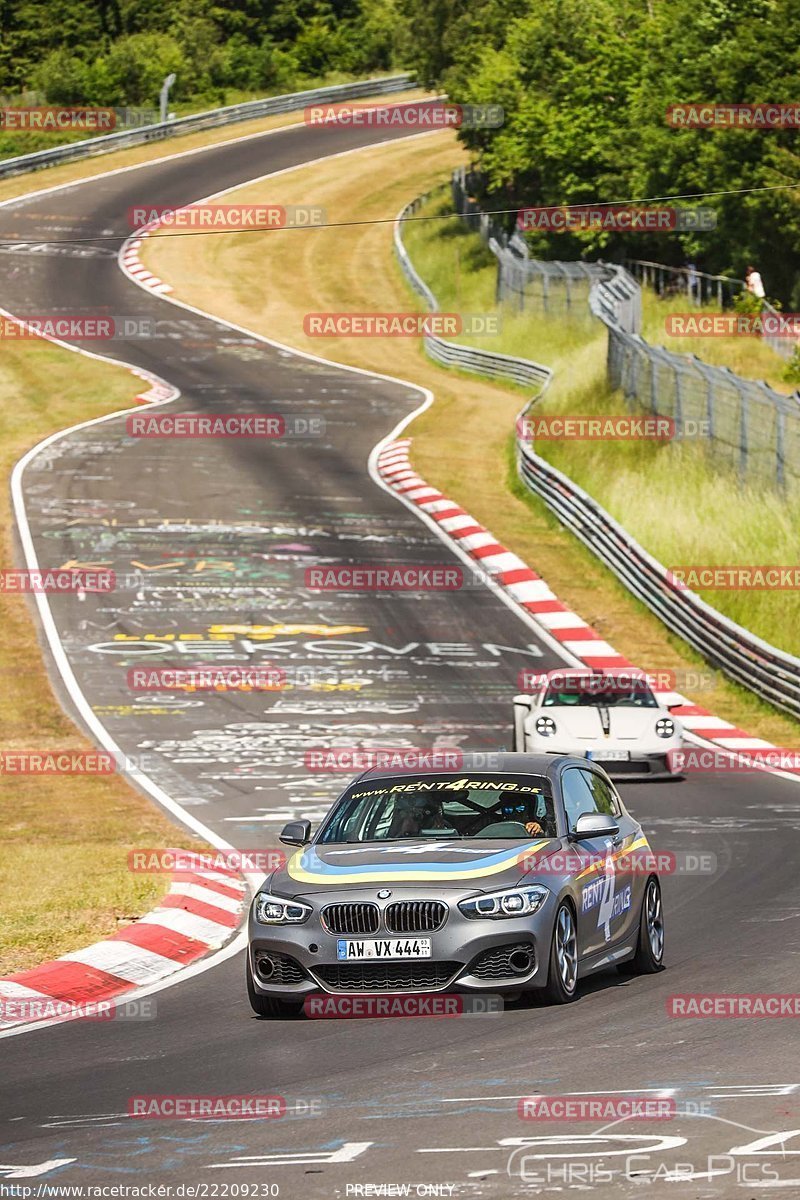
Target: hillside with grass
(671, 497)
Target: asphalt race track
(210, 540)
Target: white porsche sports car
(611, 717)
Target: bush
(135, 67)
(746, 303)
(320, 47)
(62, 78)
(792, 371)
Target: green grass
(682, 507)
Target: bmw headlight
(545, 726)
(513, 902)
(276, 910)
(665, 727)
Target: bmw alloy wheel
(566, 948)
(654, 920)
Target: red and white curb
(133, 265)
(158, 392)
(200, 913)
(533, 595)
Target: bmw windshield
(496, 806)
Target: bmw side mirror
(296, 833)
(594, 825)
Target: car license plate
(386, 948)
(609, 755)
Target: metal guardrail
(763, 669)
(230, 115)
(616, 298)
(521, 371)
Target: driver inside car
(413, 815)
(524, 812)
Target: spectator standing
(753, 283)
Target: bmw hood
(477, 863)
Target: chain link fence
(701, 288)
(746, 425)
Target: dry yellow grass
(269, 282)
(64, 840)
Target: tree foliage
(117, 52)
(585, 89)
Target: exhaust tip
(520, 961)
(265, 968)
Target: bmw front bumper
(467, 954)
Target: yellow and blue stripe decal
(307, 867)
(598, 863)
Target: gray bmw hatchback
(524, 877)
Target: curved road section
(211, 540)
